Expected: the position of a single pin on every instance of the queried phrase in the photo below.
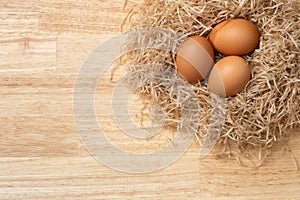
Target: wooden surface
(42, 45)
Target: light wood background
(42, 45)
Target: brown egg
(235, 37)
(229, 76)
(194, 59)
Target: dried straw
(256, 118)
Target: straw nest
(256, 118)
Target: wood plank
(18, 22)
(83, 177)
(19, 5)
(35, 101)
(37, 135)
(73, 50)
(94, 17)
(33, 53)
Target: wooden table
(42, 45)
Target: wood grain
(33, 53)
(42, 46)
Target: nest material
(256, 118)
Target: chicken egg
(229, 76)
(194, 59)
(235, 37)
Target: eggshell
(229, 76)
(194, 59)
(235, 37)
